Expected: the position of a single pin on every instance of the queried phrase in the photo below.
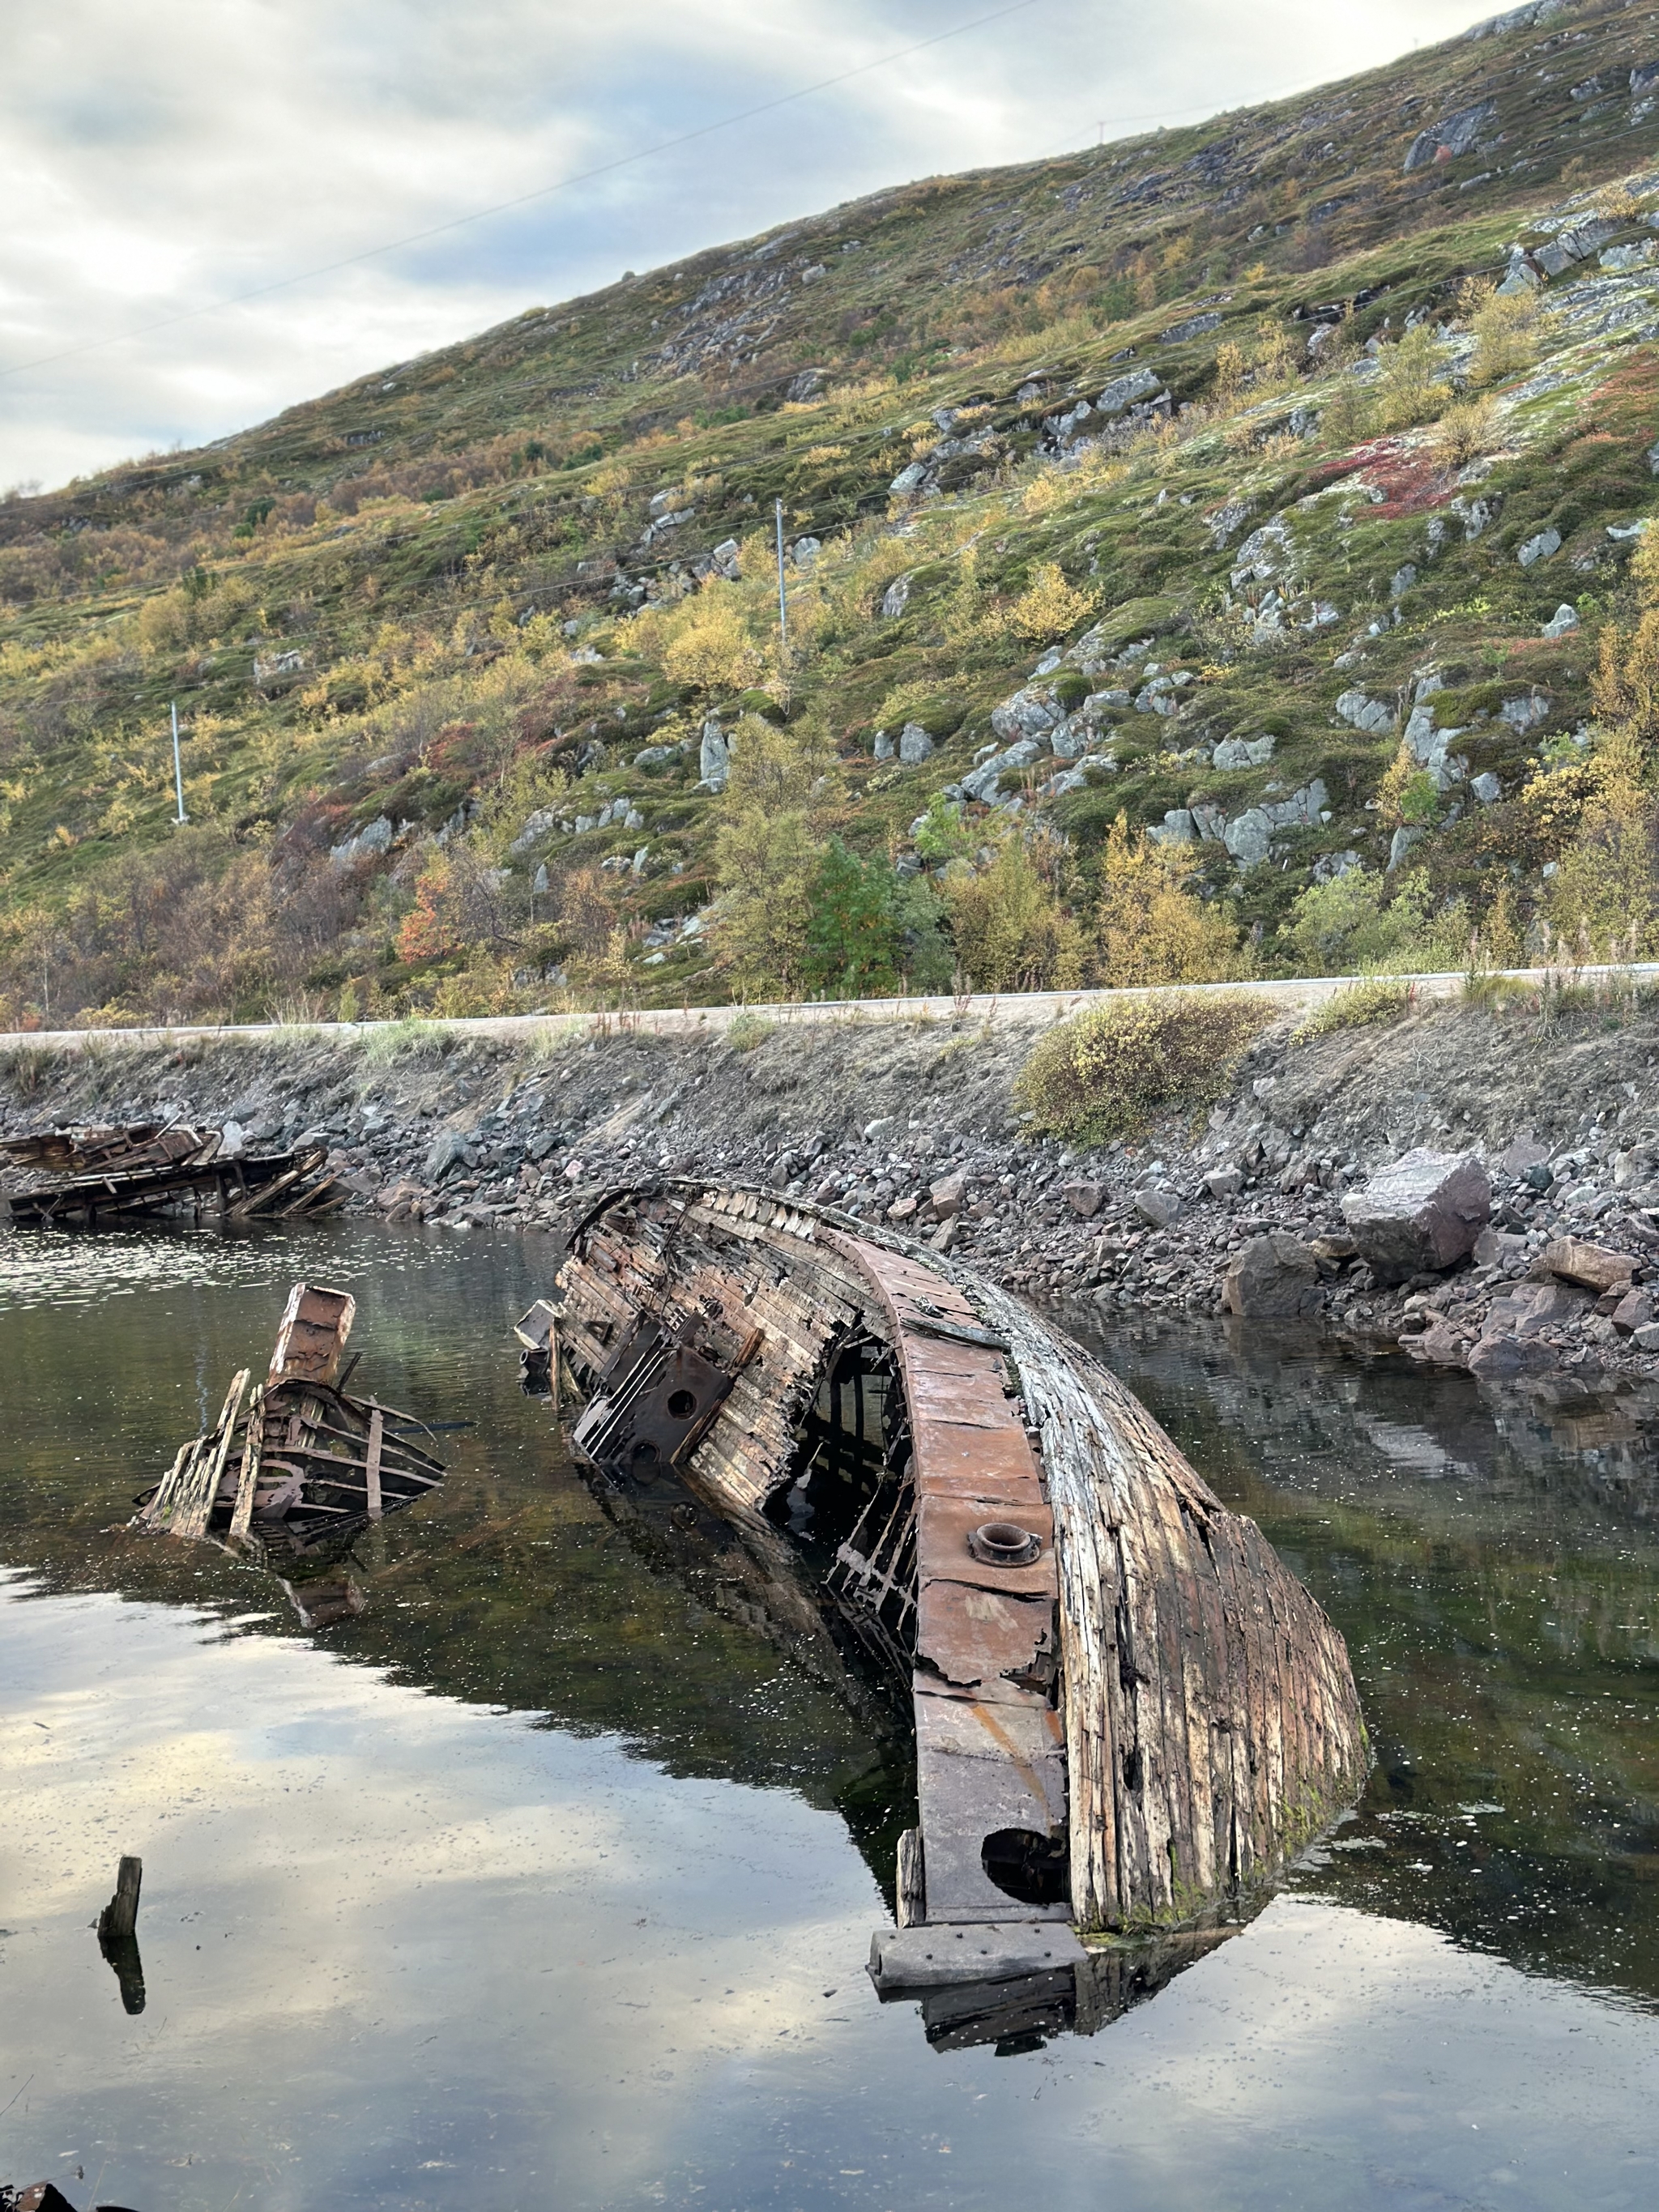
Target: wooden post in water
(117, 1933)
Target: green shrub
(746, 1030)
(1113, 1068)
(1373, 999)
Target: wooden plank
(199, 1490)
(247, 1479)
(376, 1435)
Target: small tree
(1050, 608)
(1150, 927)
(1011, 932)
(766, 866)
(852, 941)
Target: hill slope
(1203, 479)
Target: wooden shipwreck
(96, 1178)
(295, 1465)
(1128, 1713)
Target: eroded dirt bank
(917, 1123)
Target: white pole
(783, 603)
(177, 771)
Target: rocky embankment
(1479, 1185)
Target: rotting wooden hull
(1125, 1730)
(94, 1178)
(294, 1466)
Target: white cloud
(154, 160)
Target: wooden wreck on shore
(1128, 1713)
(99, 1178)
(294, 1466)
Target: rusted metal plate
(948, 1523)
(985, 1770)
(996, 1646)
(657, 1397)
(311, 1339)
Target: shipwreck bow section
(1128, 1709)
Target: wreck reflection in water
(548, 1877)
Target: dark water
(547, 1880)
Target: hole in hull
(1026, 1866)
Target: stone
(1423, 1213)
(1401, 843)
(1486, 788)
(1223, 1182)
(714, 756)
(1437, 1346)
(885, 1125)
(903, 1209)
(1248, 837)
(1633, 1311)
(982, 782)
(1540, 548)
(1123, 391)
(653, 756)
(1157, 1208)
(805, 551)
(883, 747)
(1594, 1266)
(1363, 713)
(450, 1149)
(1530, 1307)
(1564, 619)
(1085, 1198)
(897, 597)
(1176, 829)
(1646, 1338)
(1498, 1357)
(945, 1197)
(1031, 712)
(1497, 1248)
(914, 744)
(1275, 1276)
(1243, 752)
(1455, 134)
(1523, 1152)
(1525, 711)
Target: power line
(522, 199)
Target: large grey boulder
(1031, 712)
(1274, 1278)
(1422, 1213)
(714, 756)
(1453, 135)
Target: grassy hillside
(1268, 485)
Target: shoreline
(914, 1124)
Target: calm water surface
(548, 1879)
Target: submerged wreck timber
(1128, 1711)
(294, 1466)
(93, 1178)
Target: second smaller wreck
(295, 1464)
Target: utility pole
(783, 603)
(177, 771)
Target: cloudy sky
(162, 158)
